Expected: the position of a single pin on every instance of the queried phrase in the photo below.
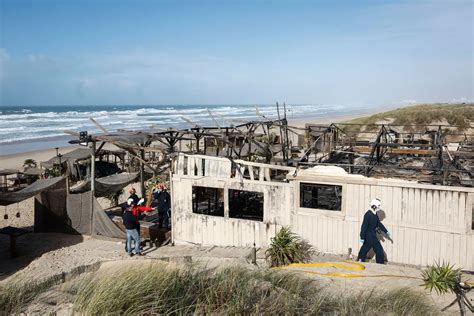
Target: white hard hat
(375, 203)
(130, 201)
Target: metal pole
(92, 185)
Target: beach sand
(15, 161)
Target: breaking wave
(40, 122)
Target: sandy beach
(15, 161)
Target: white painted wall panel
(428, 223)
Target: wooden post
(142, 176)
(351, 162)
(92, 185)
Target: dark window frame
(313, 202)
(214, 209)
(256, 215)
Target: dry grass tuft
(159, 289)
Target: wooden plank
(436, 208)
(424, 248)
(397, 204)
(429, 207)
(442, 208)
(199, 166)
(468, 257)
(321, 235)
(190, 166)
(367, 198)
(404, 205)
(325, 234)
(417, 206)
(266, 172)
(457, 249)
(461, 201)
(250, 168)
(405, 246)
(334, 243)
(411, 205)
(408, 151)
(450, 209)
(444, 247)
(180, 165)
(423, 216)
(416, 254)
(463, 250)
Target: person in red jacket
(138, 208)
(138, 214)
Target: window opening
(321, 196)
(208, 201)
(246, 205)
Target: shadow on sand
(29, 247)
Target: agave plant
(443, 278)
(287, 247)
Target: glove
(361, 241)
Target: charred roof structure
(436, 154)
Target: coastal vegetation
(30, 163)
(287, 247)
(458, 115)
(159, 288)
(444, 278)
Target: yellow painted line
(349, 265)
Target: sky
(353, 53)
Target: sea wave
(30, 123)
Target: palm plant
(287, 247)
(30, 163)
(444, 278)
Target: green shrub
(442, 278)
(287, 247)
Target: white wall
(428, 223)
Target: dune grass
(16, 294)
(459, 115)
(161, 289)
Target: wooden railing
(224, 168)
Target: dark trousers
(163, 219)
(378, 249)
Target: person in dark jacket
(133, 195)
(163, 203)
(132, 226)
(368, 233)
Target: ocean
(27, 128)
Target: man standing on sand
(132, 226)
(163, 200)
(368, 233)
